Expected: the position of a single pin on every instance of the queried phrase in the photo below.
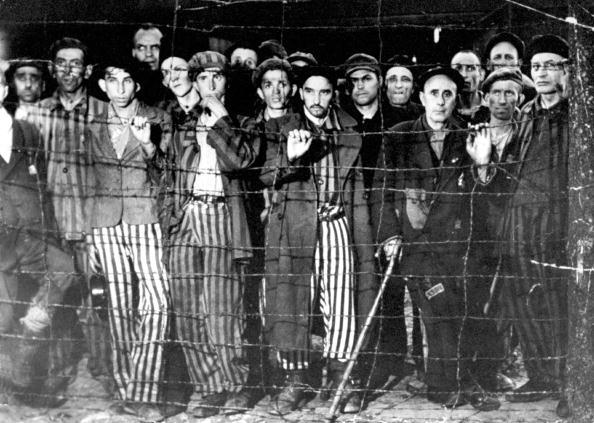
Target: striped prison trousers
(138, 295)
(207, 293)
(333, 287)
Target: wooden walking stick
(360, 340)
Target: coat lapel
(19, 151)
(349, 143)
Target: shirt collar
(56, 104)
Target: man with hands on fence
(424, 179)
(127, 237)
(319, 253)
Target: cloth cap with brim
(548, 44)
(268, 65)
(508, 37)
(303, 74)
(305, 57)
(502, 74)
(452, 74)
(207, 60)
(360, 61)
(15, 64)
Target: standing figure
(534, 296)
(319, 252)
(426, 179)
(127, 237)
(209, 216)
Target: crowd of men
(202, 191)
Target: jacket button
(65, 170)
(320, 182)
(280, 216)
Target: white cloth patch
(434, 291)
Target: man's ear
(88, 71)
(260, 93)
(137, 87)
(422, 97)
(293, 89)
(3, 92)
(482, 74)
(521, 98)
(101, 83)
(51, 68)
(301, 93)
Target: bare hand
(215, 106)
(141, 129)
(416, 207)
(393, 248)
(298, 142)
(478, 144)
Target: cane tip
(330, 419)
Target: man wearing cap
(27, 80)
(468, 63)
(319, 254)
(127, 237)
(399, 87)
(535, 294)
(209, 211)
(398, 107)
(364, 83)
(507, 50)
(424, 209)
(300, 59)
(503, 92)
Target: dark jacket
(234, 153)
(23, 200)
(291, 230)
(409, 163)
(124, 190)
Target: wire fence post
(580, 365)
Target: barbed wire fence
(579, 367)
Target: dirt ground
(87, 403)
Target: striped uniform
(207, 296)
(65, 133)
(333, 285)
(130, 256)
(206, 286)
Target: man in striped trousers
(209, 224)
(127, 237)
(319, 252)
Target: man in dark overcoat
(319, 252)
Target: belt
(327, 213)
(209, 199)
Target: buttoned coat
(409, 163)
(291, 230)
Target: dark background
(331, 29)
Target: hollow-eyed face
(399, 85)
(439, 98)
(316, 94)
(274, 89)
(175, 72)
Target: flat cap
(207, 60)
(306, 72)
(451, 73)
(360, 61)
(271, 64)
(271, 48)
(513, 39)
(548, 44)
(502, 74)
(303, 56)
(15, 64)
